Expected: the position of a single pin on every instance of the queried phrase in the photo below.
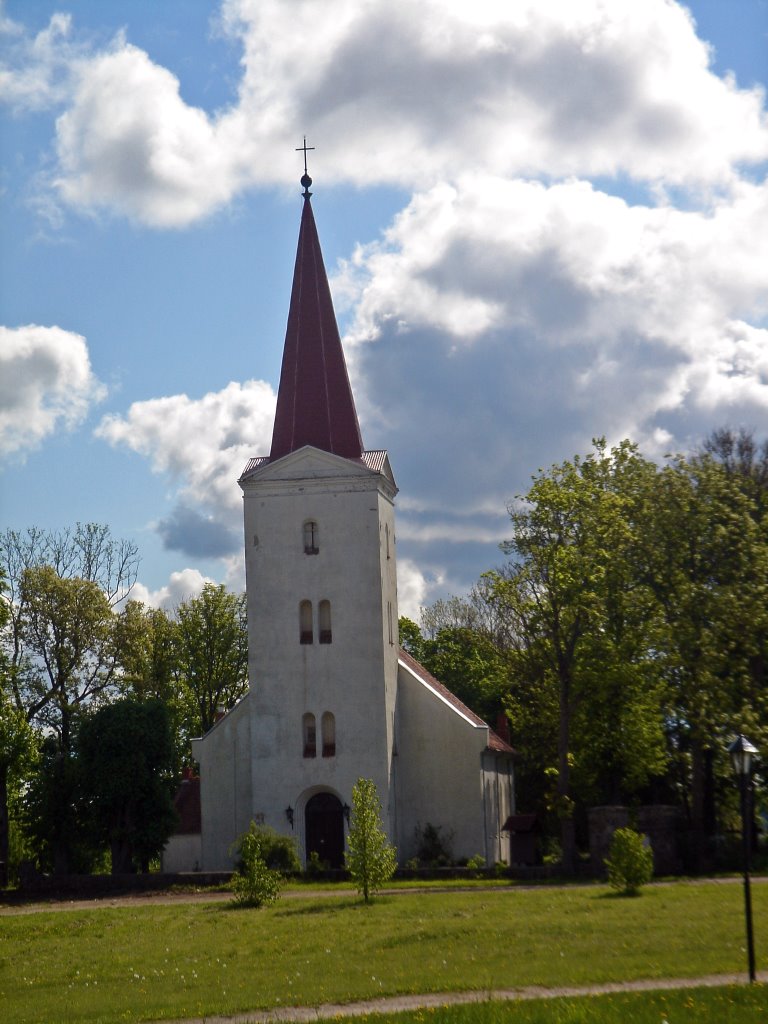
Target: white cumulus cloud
(46, 385)
(203, 444)
(410, 94)
(129, 142)
(36, 71)
(413, 589)
(181, 586)
(589, 317)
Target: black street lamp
(741, 751)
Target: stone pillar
(663, 824)
(603, 822)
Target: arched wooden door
(324, 828)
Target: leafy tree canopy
(125, 762)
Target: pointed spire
(314, 401)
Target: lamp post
(741, 751)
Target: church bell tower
(321, 587)
(332, 698)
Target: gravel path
(397, 1004)
(42, 904)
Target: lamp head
(741, 751)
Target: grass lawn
(726, 1005)
(139, 963)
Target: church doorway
(324, 829)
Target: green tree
(59, 650)
(575, 614)
(470, 664)
(86, 551)
(371, 859)
(148, 652)
(478, 612)
(55, 818)
(704, 556)
(744, 459)
(212, 651)
(148, 639)
(17, 748)
(125, 760)
(411, 639)
(73, 658)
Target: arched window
(328, 729)
(324, 622)
(310, 537)
(305, 623)
(309, 735)
(386, 538)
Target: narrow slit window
(328, 728)
(386, 537)
(309, 735)
(324, 622)
(306, 633)
(310, 537)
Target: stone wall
(662, 823)
(31, 881)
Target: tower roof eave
(374, 461)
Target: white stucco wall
(182, 853)
(223, 755)
(446, 776)
(252, 763)
(355, 676)
(498, 784)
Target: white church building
(332, 697)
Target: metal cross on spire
(306, 181)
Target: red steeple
(314, 402)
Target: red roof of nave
(495, 742)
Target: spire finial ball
(306, 181)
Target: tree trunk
(702, 804)
(122, 860)
(60, 840)
(568, 842)
(698, 787)
(60, 857)
(4, 844)
(565, 804)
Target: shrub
(316, 867)
(276, 850)
(629, 861)
(256, 883)
(433, 848)
(553, 851)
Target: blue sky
(544, 222)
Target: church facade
(332, 697)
